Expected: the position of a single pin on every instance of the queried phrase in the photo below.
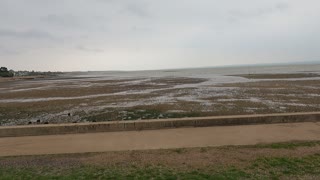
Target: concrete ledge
(37, 130)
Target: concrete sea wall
(138, 125)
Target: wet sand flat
(78, 97)
(159, 139)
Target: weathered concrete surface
(159, 139)
(36, 130)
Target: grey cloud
(282, 6)
(62, 20)
(21, 42)
(88, 49)
(186, 32)
(106, 1)
(236, 14)
(7, 51)
(29, 34)
(137, 9)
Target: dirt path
(159, 139)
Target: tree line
(4, 72)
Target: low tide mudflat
(106, 96)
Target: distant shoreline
(18, 78)
(198, 67)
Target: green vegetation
(179, 150)
(113, 173)
(277, 167)
(36, 73)
(272, 166)
(291, 145)
(262, 168)
(4, 72)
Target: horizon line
(199, 67)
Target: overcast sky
(69, 35)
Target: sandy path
(159, 139)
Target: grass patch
(179, 150)
(91, 172)
(275, 166)
(261, 168)
(290, 145)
